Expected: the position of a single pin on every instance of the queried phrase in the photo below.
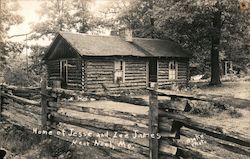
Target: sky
(29, 12)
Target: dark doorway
(153, 70)
(64, 73)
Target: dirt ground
(240, 89)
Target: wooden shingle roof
(91, 45)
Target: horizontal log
(137, 65)
(119, 89)
(100, 64)
(165, 148)
(135, 81)
(234, 148)
(87, 122)
(194, 153)
(115, 86)
(165, 125)
(135, 78)
(99, 82)
(182, 77)
(118, 114)
(63, 91)
(134, 69)
(17, 110)
(209, 130)
(21, 100)
(29, 108)
(99, 72)
(163, 67)
(135, 75)
(74, 74)
(135, 72)
(74, 82)
(23, 89)
(163, 80)
(169, 82)
(98, 78)
(163, 72)
(163, 77)
(181, 150)
(179, 105)
(20, 120)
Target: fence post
(1, 101)
(44, 106)
(153, 123)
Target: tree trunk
(216, 37)
(152, 19)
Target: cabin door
(64, 73)
(152, 70)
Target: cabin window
(172, 70)
(119, 71)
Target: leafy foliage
(19, 74)
(8, 17)
(192, 23)
(62, 15)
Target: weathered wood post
(1, 101)
(44, 105)
(153, 123)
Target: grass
(17, 140)
(207, 109)
(23, 143)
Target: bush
(17, 140)
(19, 77)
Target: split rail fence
(181, 135)
(42, 108)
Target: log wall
(53, 70)
(74, 74)
(163, 72)
(99, 75)
(183, 68)
(74, 68)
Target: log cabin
(117, 63)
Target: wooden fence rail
(170, 123)
(49, 113)
(167, 120)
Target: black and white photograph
(124, 79)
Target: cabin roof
(91, 45)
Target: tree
(61, 15)
(8, 17)
(202, 26)
(81, 17)
(135, 14)
(215, 21)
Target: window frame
(173, 72)
(119, 65)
